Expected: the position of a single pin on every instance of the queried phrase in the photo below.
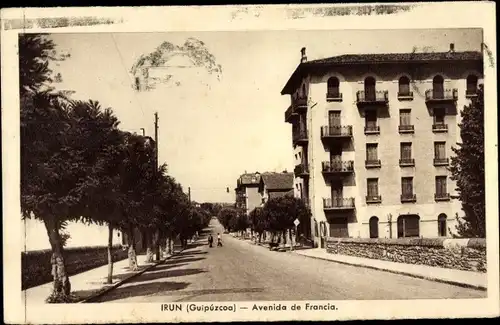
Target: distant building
(273, 185)
(247, 192)
(372, 160)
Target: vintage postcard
(249, 163)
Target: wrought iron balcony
(332, 96)
(440, 128)
(447, 95)
(301, 170)
(373, 163)
(441, 161)
(372, 129)
(338, 203)
(336, 131)
(471, 93)
(372, 97)
(373, 198)
(442, 196)
(407, 162)
(406, 95)
(409, 197)
(291, 114)
(406, 129)
(299, 137)
(337, 167)
(300, 104)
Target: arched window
(408, 226)
(471, 85)
(442, 225)
(438, 87)
(333, 88)
(373, 227)
(404, 86)
(370, 88)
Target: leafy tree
(467, 168)
(280, 213)
(258, 222)
(225, 216)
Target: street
(239, 271)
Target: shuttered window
(405, 117)
(441, 185)
(407, 186)
(405, 150)
(439, 150)
(371, 151)
(372, 184)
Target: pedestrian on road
(219, 240)
(210, 240)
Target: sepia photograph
(236, 171)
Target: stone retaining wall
(461, 254)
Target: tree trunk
(149, 246)
(291, 239)
(157, 245)
(61, 285)
(132, 255)
(169, 245)
(110, 254)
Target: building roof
(386, 58)
(278, 181)
(249, 179)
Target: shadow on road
(152, 275)
(184, 260)
(142, 289)
(169, 266)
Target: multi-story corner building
(373, 136)
(247, 191)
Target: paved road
(240, 271)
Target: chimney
(452, 47)
(303, 57)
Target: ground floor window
(338, 227)
(442, 225)
(373, 227)
(408, 226)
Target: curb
(418, 276)
(119, 283)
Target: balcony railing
(432, 95)
(372, 97)
(373, 163)
(332, 96)
(441, 161)
(471, 93)
(440, 128)
(338, 203)
(405, 95)
(333, 167)
(406, 129)
(372, 129)
(409, 197)
(299, 137)
(406, 162)
(442, 196)
(373, 198)
(301, 170)
(336, 131)
(290, 114)
(300, 104)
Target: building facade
(247, 192)
(273, 185)
(372, 137)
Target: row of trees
(77, 165)
(276, 216)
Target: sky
(209, 135)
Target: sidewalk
(461, 278)
(88, 284)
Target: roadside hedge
(36, 267)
